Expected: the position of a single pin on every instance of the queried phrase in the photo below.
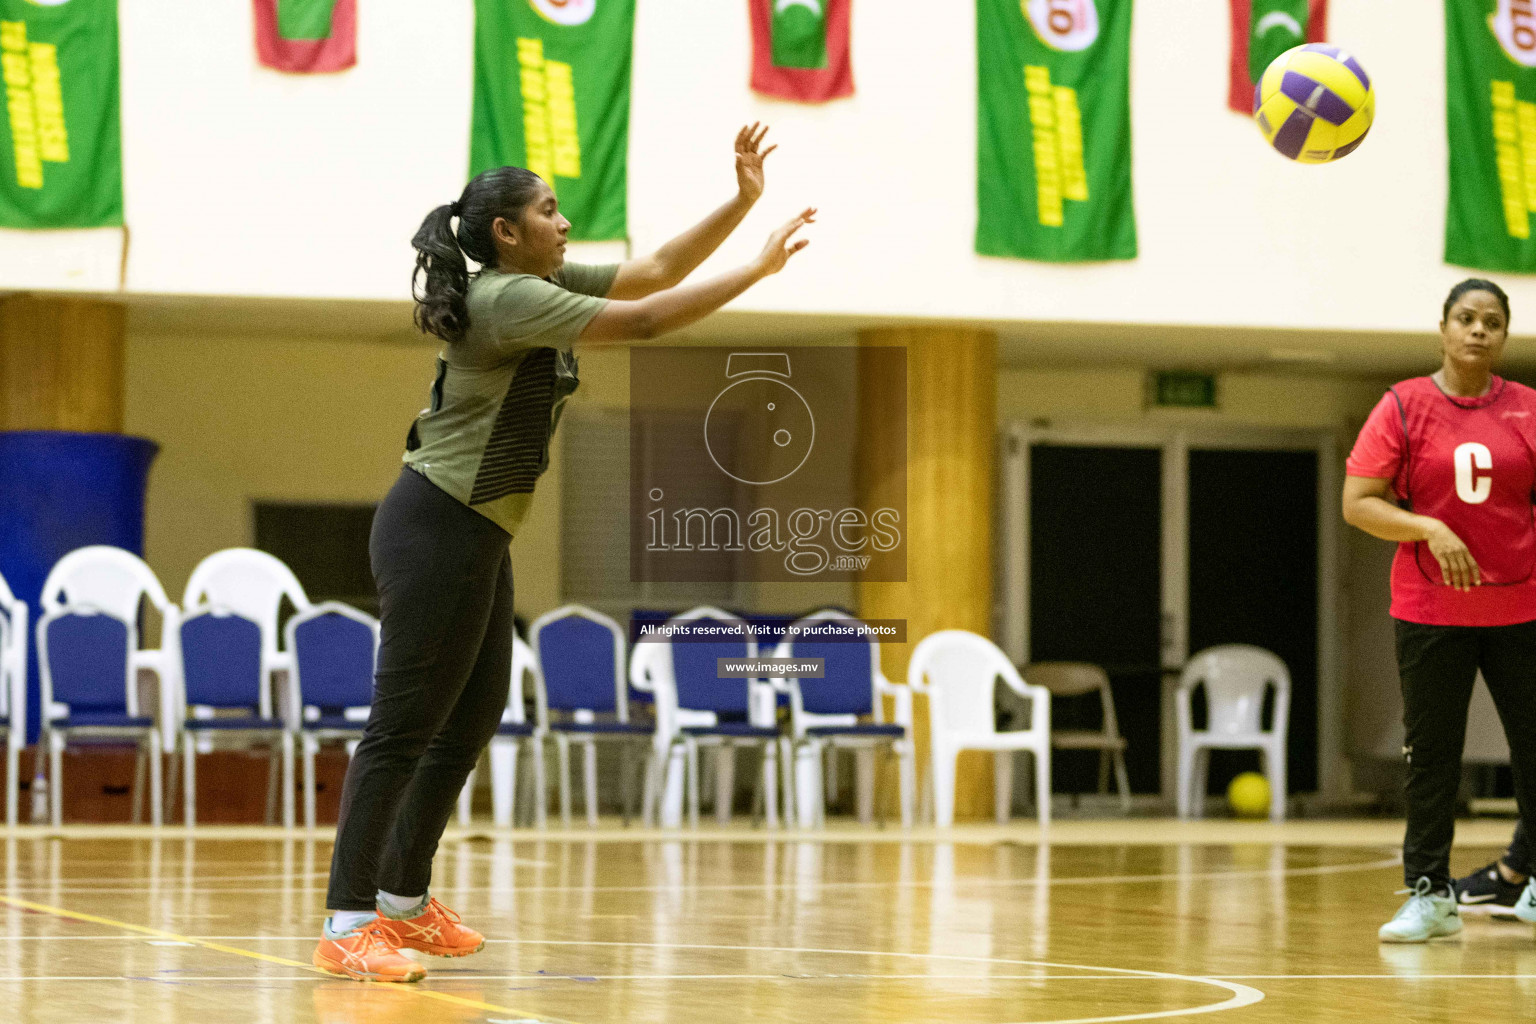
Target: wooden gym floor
(1113, 921)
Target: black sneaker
(1484, 891)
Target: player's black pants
(1438, 666)
(1518, 857)
(445, 665)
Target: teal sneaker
(1525, 906)
(1425, 916)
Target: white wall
(241, 181)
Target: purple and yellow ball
(1314, 103)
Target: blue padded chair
(844, 710)
(585, 698)
(225, 695)
(335, 648)
(89, 662)
(13, 690)
(695, 708)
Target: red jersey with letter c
(1470, 463)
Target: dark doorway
(1253, 580)
(1095, 557)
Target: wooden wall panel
(61, 364)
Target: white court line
(1001, 883)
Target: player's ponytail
(441, 306)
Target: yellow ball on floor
(1248, 794)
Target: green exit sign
(1184, 390)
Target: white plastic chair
(958, 670)
(1236, 678)
(252, 585)
(13, 690)
(514, 729)
(841, 700)
(334, 701)
(109, 581)
(650, 667)
(681, 730)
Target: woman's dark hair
(1475, 284)
(440, 251)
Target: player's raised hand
(780, 245)
(750, 155)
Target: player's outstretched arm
(669, 310)
(667, 266)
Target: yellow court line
(403, 989)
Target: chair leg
(829, 779)
(1002, 785)
(12, 783)
(56, 777)
(156, 790)
(174, 780)
(1274, 764)
(589, 781)
(1043, 784)
(1202, 781)
(272, 771)
(285, 742)
(626, 780)
(540, 783)
(725, 782)
(1122, 781)
(307, 754)
(771, 782)
(1185, 781)
(1103, 772)
(650, 797)
(944, 786)
(503, 781)
(787, 780)
(563, 766)
(466, 798)
(864, 771)
(189, 780)
(693, 784)
(906, 768)
(136, 794)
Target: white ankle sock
(342, 921)
(401, 908)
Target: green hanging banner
(1053, 160)
(1490, 107)
(61, 162)
(552, 95)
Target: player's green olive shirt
(498, 394)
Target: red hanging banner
(306, 36)
(800, 49)
(1261, 31)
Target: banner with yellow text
(552, 95)
(1053, 160)
(61, 162)
(1490, 107)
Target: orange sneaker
(436, 932)
(368, 953)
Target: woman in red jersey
(1457, 449)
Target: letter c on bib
(1470, 487)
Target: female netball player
(1458, 448)
(439, 542)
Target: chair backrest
(221, 656)
(1067, 678)
(849, 665)
(961, 669)
(695, 669)
(334, 649)
(580, 652)
(83, 662)
(1236, 678)
(250, 583)
(102, 578)
(13, 657)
